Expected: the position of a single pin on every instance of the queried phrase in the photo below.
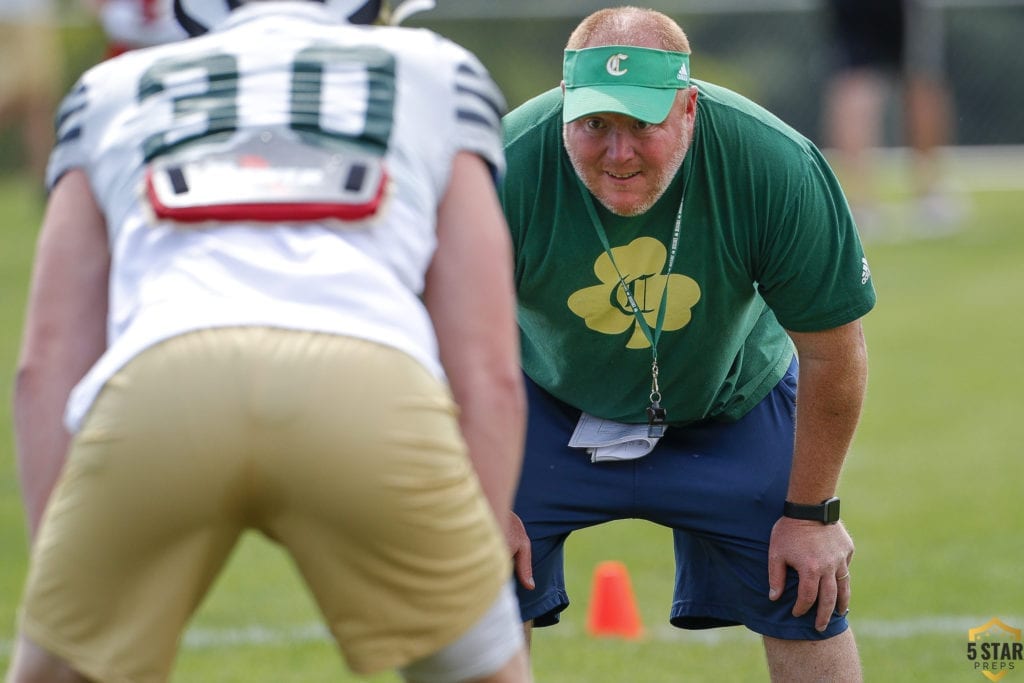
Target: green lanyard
(655, 413)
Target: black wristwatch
(826, 512)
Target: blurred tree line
(778, 58)
(781, 59)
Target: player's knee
(33, 664)
(491, 651)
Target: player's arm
(470, 296)
(64, 334)
(830, 393)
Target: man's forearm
(830, 394)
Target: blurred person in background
(131, 24)
(880, 47)
(690, 286)
(31, 68)
(273, 292)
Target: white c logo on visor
(613, 65)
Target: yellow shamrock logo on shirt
(605, 307)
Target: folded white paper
(607, 440)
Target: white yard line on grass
(980, 168)
(200, 638)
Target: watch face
(831, 511)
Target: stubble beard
(662, 180)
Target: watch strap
(826, 512)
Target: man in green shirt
(675, 244)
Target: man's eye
(641, 125)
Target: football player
(273, 291)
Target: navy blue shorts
(719, 486)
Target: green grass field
(932, 494)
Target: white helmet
(198, 16)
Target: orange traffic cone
(613, 611)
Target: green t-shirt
(767, 243)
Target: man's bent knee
(812, 661)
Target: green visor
(635, 81)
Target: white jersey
(354, 128)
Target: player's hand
(821, 555)
(522, 555)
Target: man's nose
(621, 145)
